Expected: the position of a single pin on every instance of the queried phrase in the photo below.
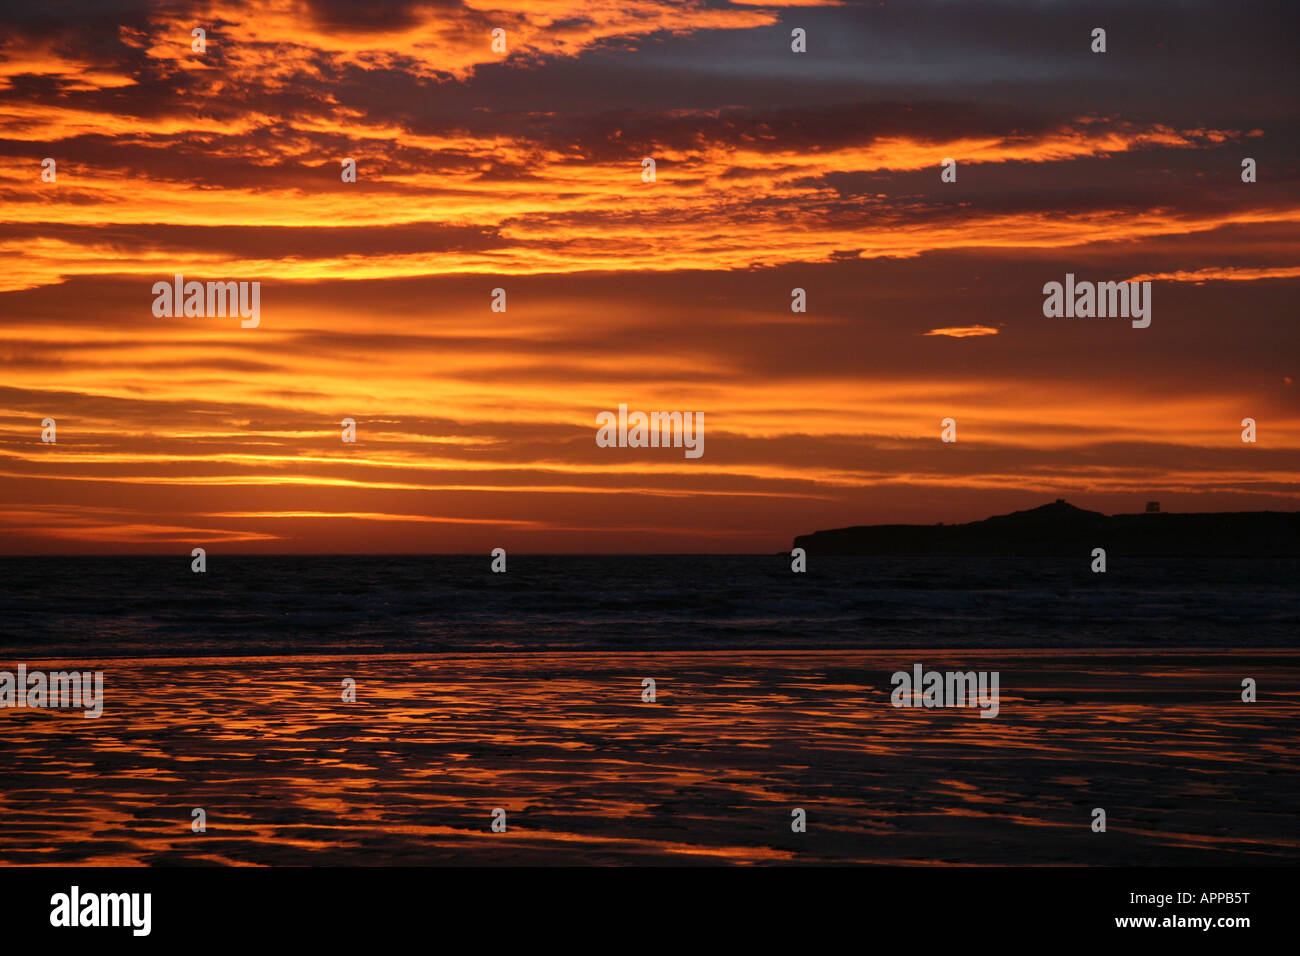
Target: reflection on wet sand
(410, 773)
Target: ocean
(385, 710)
(156, 606)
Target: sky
(522, 170)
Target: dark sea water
(1121, 691)
(157, 607)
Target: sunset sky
(775, 170)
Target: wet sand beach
(588, 773)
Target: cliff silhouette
(1060, 529)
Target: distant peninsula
(1060, 529)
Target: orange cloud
(1222, 274)
(963, 331)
